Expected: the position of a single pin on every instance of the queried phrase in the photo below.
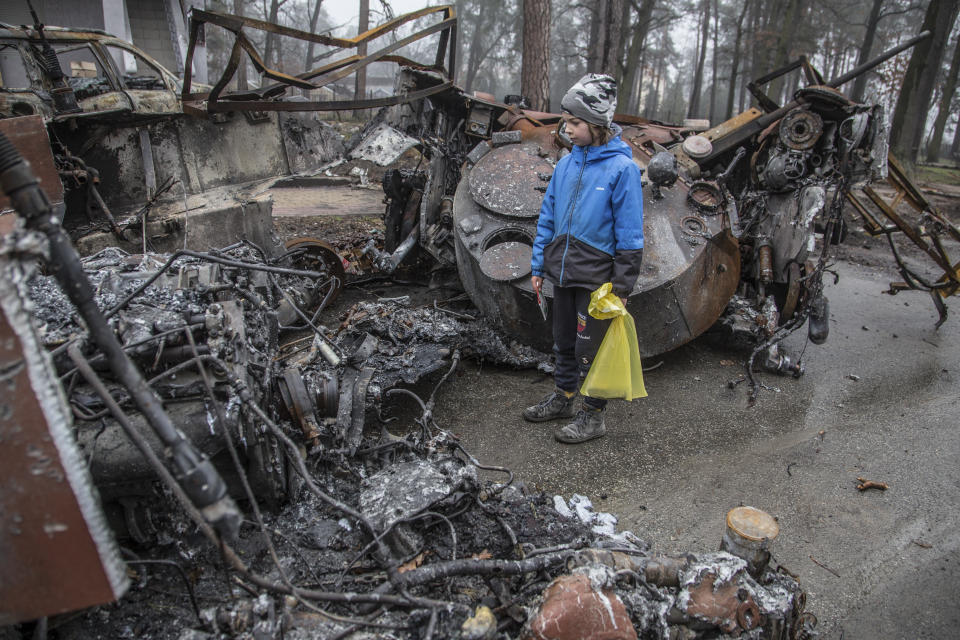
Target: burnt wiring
(208, 257)
(370, 587)
(814, 288)
(402, 575)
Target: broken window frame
(17, 54)
(169, 84)
(104, 66)
(260, 99)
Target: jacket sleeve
(627, 203)
(545, 225)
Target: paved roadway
(674, 463)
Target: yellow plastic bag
(616, 371)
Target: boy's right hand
(537, 282)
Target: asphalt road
(879, 401)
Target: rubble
(402, 520)
(576, 607)
(243, 434)
(361, 533)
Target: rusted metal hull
(56, 552)
(691, 263)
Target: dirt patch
(327, 201)
(340, 231)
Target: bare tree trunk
(713, 71)
(955, 147)
(598, 11)
(631, 85)
(637, 97)
(605, 28)
(837, 59)
(694, 107)
(782, 56)
(735, 62)
(360, 84)
(475, 55)
(949, 88)
(271, 44)
(314, 20)
(623, 27)
(749, 71)
(910, 114)
(860, 84)
(611, 37)
(767, 14)
(654, 103)
(242, 84)
(535, 66)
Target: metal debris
(345, 529)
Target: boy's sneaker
(586, 426)
(554, 406)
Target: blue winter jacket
(590, 229)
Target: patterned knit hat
(593, 98)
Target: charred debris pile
(351, 522)
(244, 451)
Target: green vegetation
(938, 174)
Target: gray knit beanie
(593, 98)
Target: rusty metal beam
(236, 23)
(376, 55)
(331, 105)
(873, 227)
(217, 100)
(906, 228)
(949, 283)
(58, 553)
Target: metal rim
(706, 197)
(320, 254)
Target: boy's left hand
(624, 301)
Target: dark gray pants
(576, 338)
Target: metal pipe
(738, 136)
(196, 473)
(392, 261)
(765, 261)
(883, 57)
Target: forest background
(673, 60)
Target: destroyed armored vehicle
(738, 218)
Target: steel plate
(501, 181)
(506, 261)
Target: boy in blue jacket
(590, 231)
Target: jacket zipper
(573, 205)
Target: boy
(590, 231)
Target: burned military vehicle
(738, 218)
(130, 168)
